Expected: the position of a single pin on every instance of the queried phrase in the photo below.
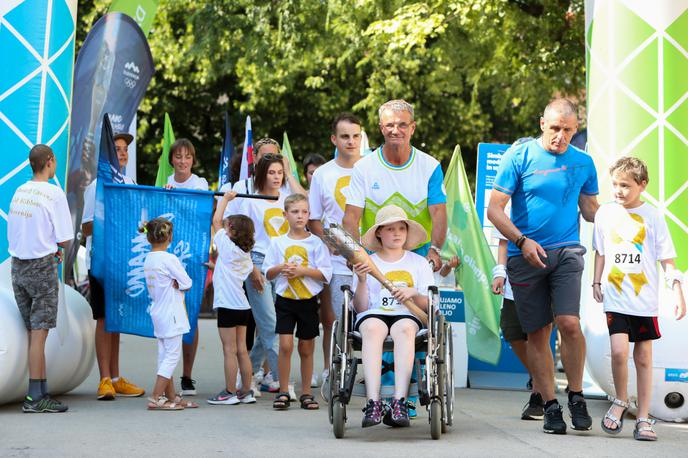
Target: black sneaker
(534, 409)
(188, 386)
(397, 415)
(554, 420)
(45, 405)
(372, 413)
(580, 419)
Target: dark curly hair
(158, 230)
(240, 230)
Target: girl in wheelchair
(381, 313)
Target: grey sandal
(637, 432)
(610, 416)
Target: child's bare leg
(306, 350)
(229, 350)
(160, 387)
(170, 393)
(403, 333)
(619, 346)
(286, 347)
(243, 359)
(642, 356)
(374, 332)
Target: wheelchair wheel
(448, 381)
(435, 417)
(330, 387)
(338, 417)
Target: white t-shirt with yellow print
(309, 252)
(268, 219)
(327, 198)
(412, 271)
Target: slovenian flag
(247, 159)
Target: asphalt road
(487, 424)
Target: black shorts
(97, 294)
(638, 328)
(389, 320)
(299, 314)
(508, 321)
(229, 318)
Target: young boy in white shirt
(299, 262)
(630, 238)
(38, 227)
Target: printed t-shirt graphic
(412, 186)
(327, 199)
(268, 219)
(631, 240)
(309, 252)
(411, 270)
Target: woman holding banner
(268, 216)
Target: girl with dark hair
(234, 241)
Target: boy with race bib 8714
(630, 238)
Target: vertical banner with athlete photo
(112, 71)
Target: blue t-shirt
(544, 189)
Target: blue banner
(225, 175)
(126, 208)
(111, 74)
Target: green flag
(142, 11)
(465, 239)
(165, 169)
(286, 151)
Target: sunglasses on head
(271, 156)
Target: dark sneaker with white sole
(554, 420)
(534, 409)
(397, 415)
(45, 405)
(188, 386)
(372, 415)
(580, 419)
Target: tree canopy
(475, 70)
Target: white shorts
(169, 353)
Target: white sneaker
(269, 384)
(292, 392)
(247, 398)
(255, 390)
(314, 381)
(258, 376)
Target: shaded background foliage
(475, 70)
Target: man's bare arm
(588, 206)
(497, 216)
(351, 220)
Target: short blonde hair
(632, 166)
(294, 198)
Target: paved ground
(486, 424)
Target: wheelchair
(434, 377)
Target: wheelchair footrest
(386, 391)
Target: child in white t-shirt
(233, 241)
(299, 262)
(382, 313)
(166, 281)
(630, 238)
(39, 226)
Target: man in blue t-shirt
(548, 181)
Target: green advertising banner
(143, 11)
(637, 60)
